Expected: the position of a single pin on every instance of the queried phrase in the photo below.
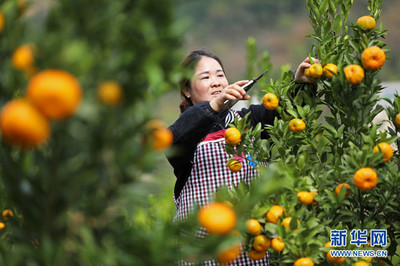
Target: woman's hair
(188, 66)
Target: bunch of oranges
(6, 215)
(372, 58)
(51, 95)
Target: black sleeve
(190, 128)
(259, 114)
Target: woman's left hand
(300, 76)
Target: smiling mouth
(215, 93)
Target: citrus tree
(329, 166)
(78, 84)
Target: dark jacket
(197, 122)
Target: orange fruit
(315, 71)
(7, 213)
(303, 262)
(1, 21)
(385, 148)
(270, 101)
(233, 136)
(55, 93)
(277, 244)
(261, 243)
(286, 222)
(162, 139)
(22, 57)
(373, 58)
(336, 260)
(397, 120)
(160, 136)
(361, 263)
(2, 226)
(330, 70)
(346, 186)
(217, 218)
(253, 227)
(297, 125)
(354, 74)
(23, 125)
(234, 165)
(305, 197)
(229, 254)
(366, 22)
(274, 213)
(365, 178)
(254, 255)
(110, 93)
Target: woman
(200, 163)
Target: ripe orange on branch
(365, 178)
(373, 58)
(354, 74)
(261, 243)
(1, 21)
(366, 22)
(22, 57)
(7, 213)
(253, 227)
(277, 244)
(303, 262)
(297, 125)
(286, 222)
(274, 213)
(158, 134)
(315, 71)
(162, 138)
(110, 93)
(232, 136)
(330, 70)
(229, 254)
(270, 101)
(361, 263)
(217, 218)
(234, 165)
(385, 148)
(55, 93)
(346, 186)
(305, 197)
(335, 260)
(23, 125)
(254, 255)
(397, 120)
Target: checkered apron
(209, 172)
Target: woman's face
(208, 80)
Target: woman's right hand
(231, 92)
